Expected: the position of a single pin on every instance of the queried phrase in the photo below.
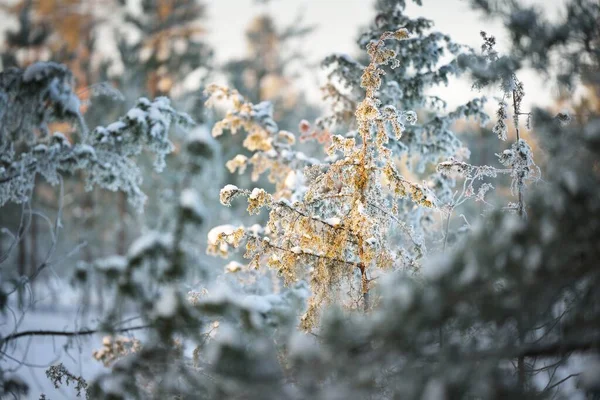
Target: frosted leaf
(239, 163)
(258, 198)
(223, 236)
(367, 110)
(228, 193)
(214, 233)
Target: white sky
(338, 22)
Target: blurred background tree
(118, 52)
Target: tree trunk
(122, 235)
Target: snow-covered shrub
(428, 58)
(33, 99)
(337, 232)
(42, 93)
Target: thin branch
(401, 224)
(316, 219)
(559, 348)
(68, 333)
(561, 381)
(303, 253)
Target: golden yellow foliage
(114, 348)
(339, 230)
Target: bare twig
(67, 333)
